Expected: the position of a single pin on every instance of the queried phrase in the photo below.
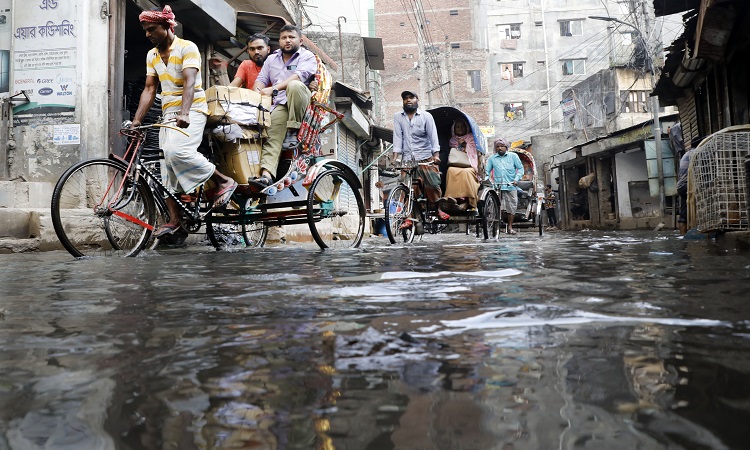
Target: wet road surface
(585, 340)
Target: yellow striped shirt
(182, 55)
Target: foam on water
(534, 315)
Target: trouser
(285, 116)
(552, 216)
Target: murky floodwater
(576, 340)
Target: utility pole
(656, 130)
(341, 47)
(654, 108)
(546, 70)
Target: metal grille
(719, 177)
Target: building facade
(436, 49)
(539, 49)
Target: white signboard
(44, 61)
(66, 134)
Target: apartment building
(539, 49)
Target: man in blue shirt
(506, 169)
(415, 137)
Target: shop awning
(383, 133)
(216, 18)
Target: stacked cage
(720, 185)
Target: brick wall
(450, 25)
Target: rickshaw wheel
(538, 220)
(226, 233)
(397, 209)
(491, 216)
(335, 211)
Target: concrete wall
(32, 156)
(630, 167)
(353, 68)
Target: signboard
(66, 134)
(487, 131)
(568, 107)
(44, 61)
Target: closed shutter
(688, 116)
(347, 154)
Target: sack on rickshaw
(238, 105)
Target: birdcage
(719, 176)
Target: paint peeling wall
(32, 154)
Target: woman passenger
(462, 183)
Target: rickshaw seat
(525, 184)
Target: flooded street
(587, 340)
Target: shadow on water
(576, 340)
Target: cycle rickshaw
(406, 211)
(530, 193)
(112, 205)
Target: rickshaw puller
(508, 171)
(415, 135)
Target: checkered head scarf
(166, 15)
(502, 141)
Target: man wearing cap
(258, 49)
(175, 63)
(506, 169)
(415, 137)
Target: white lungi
(184, 168)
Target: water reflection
(586, 340)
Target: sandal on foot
(263, 181)
(166, 229)
(224, 195)
(512, 232)
(406, 224)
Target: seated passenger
(462, 183)
(284, 73)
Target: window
(454, 12)
(538, 23)
(475, 80)
(510, 31)
(402, 24)
(455, 45)
(573, 67)
(403, 55)
(514, 69)
(635, 101)
(571, 27)
(513, 111)
(540, 65)
(544, 102)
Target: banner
(44, 61)
(568, 107)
